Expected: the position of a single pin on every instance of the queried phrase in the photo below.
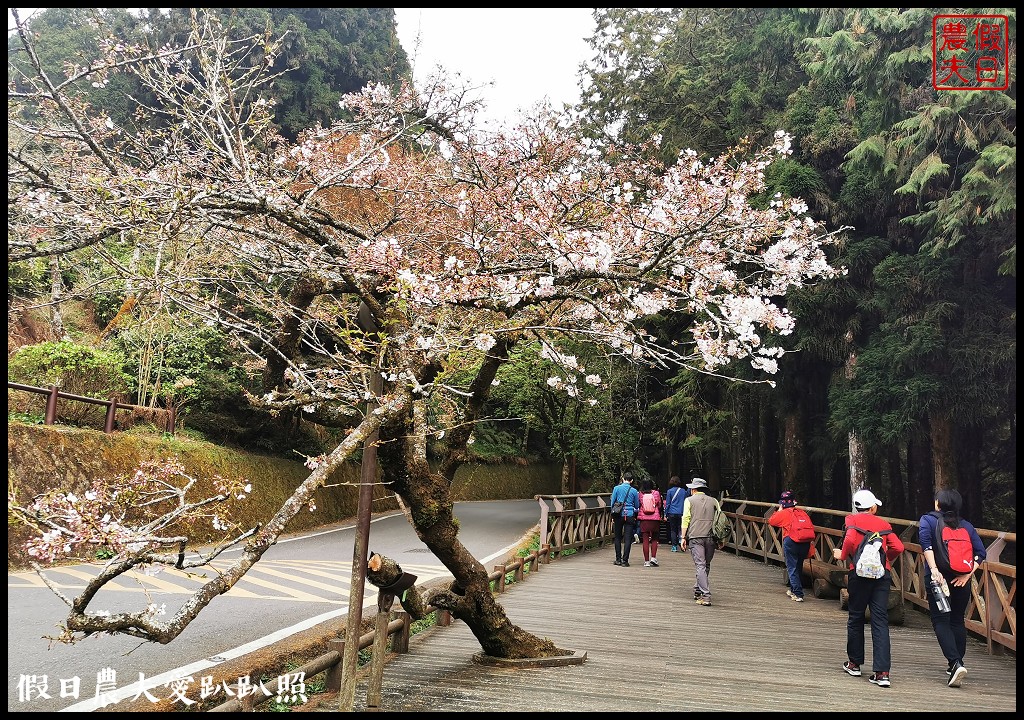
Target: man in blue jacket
(625, 522)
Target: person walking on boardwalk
(650, 522)
(675, 497)
(867, 591)
(949, 626)
(797, 540)
(698, 517)
(624, 524)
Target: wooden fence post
(400, 641)
(334, 674)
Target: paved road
(300, 582)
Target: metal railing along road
(53, 393)
(583, 521)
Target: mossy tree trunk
(402, 457)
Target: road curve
(300, 582)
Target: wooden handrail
(113, 405)
(398, 630)
(571, 523)
(991, 612)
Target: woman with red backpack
(797, 540)
(952, 550)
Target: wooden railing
(393, 625)
(575, 522)
(53, 393)
(991, 612)
(580, 522)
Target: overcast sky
(529, 54)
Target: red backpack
(953, 550)
(802, 529)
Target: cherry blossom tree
(399, 247)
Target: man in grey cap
(698, 517)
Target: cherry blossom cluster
(144, 511)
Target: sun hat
(865, 500)
(697, 483)
(787, 500)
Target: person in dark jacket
(949, 627)
(868, 591)
(625, 524)
(675, 498)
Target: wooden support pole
(380, 642)
(334, 674)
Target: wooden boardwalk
(649, 647)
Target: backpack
(869, 560)
(721, 528)
(802, 529)
(648, 505)
(952, 547)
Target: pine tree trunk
(943, 457)
(858, 463)
(968, 443)
(858, 454)
(919, 475)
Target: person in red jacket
(868, 591)
(797, 540)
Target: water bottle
(939, 593)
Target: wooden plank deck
(754, 649)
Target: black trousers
(624, 528)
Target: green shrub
(76, 369)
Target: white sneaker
(647, 564)
(636, 539)
(654, 562)
(957, 675)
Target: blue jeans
(623, 527)
(795, 554)
(865, 592)
(949, 627)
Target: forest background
(900, 375)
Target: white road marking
(137, 688)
